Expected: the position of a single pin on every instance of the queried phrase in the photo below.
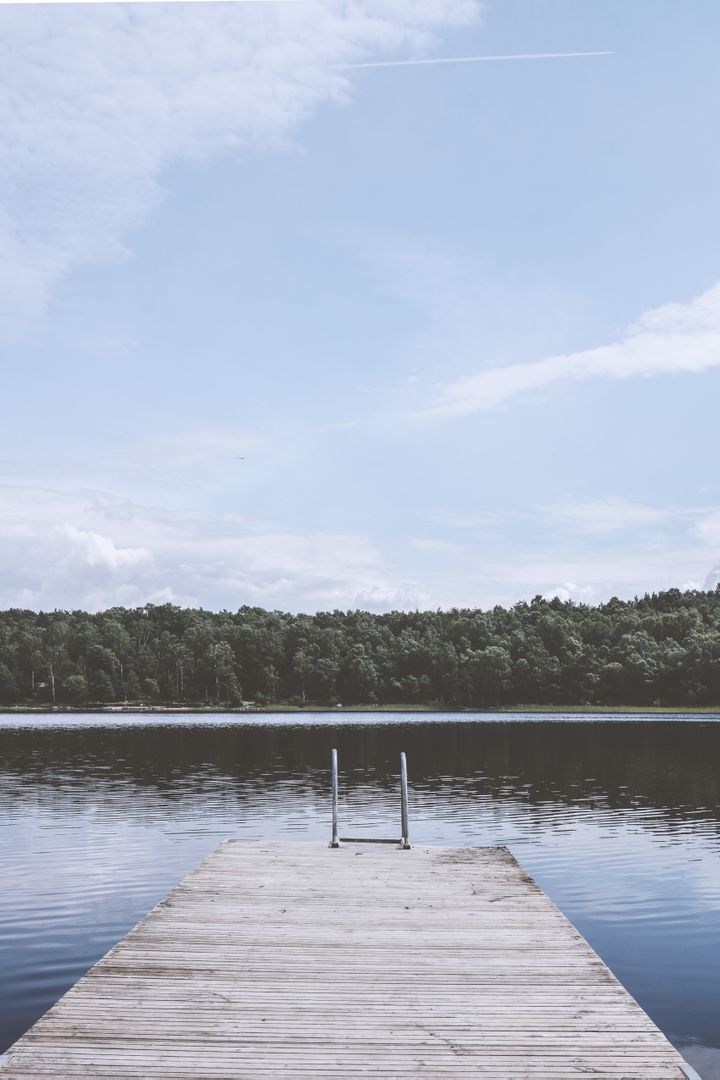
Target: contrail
(470, 59)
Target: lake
(617, 819)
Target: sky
(282, 327)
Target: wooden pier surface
(294, 960)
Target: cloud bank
(674, 338)
(96, 101)
(92, 550)
(88, 550)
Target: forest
(659, 649)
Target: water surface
(618, 820)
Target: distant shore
(629, 710)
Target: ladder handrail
(404, 827)
(403, 842)
(335, 842)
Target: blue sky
(282, 331)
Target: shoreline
(531, 710)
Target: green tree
(8, 685)
(75, 689)
(102, 687)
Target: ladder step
(366, 840)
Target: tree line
(659, 649)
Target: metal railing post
(335, 842)
(404, 827)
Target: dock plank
(295, 960)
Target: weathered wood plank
(296, 960)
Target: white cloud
(585, 576)
(580, 594)
(669, 339)
(707, 529)
(98, 550)
(75, 549)
(95, 101)
(92, 550)
(585, 549)
(713, 578)
(574, 566)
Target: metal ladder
(403, 842)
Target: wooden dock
(295, 960)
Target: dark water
(619, 822)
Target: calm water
(618, 820)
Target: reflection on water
(618, 821)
